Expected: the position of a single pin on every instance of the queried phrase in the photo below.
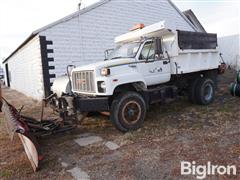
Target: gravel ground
(172, 133)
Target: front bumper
(72, 104)
(91, 104)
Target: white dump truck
(149, 65)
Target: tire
(192, 91)
(128, 111)
(205, 91)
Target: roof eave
(189, 11)
(19, 47)
(69, 17)
(73, 15)
(184, 17)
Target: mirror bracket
(158, 47)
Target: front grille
(83, 81)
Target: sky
(18, 18)
(216, 16)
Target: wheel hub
(208, 91)
(131, 112)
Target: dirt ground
(172, 133)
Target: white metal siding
(25, 68)
(82, 40)
(230, 48)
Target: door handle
(159, 69)
(165, 62)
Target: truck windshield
(128, 50)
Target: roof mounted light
(137, 26)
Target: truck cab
(148, 60)
(137, 59)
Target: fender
(122, 79)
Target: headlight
(105, 72)
(103, 85)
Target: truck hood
(103, 64)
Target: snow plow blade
(29, 129)
(16, 124)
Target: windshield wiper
(118, 57)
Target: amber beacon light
(137, 26)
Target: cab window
(148, 51)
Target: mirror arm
(158, 49)
(106, 53)
(149, 51)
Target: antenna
(79, 5)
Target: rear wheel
(128, 111)
(205, 91)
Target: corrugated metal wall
(229, 46)
(25, 69)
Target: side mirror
(69, 69)
(107, 53)
(158, 47)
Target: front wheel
(128, 111)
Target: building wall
(83, 40)
(25, 70)
(230, 48)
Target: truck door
(154, 70)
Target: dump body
(189, 61)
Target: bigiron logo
(202, 171)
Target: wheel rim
(131, 112)
(208, 92)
